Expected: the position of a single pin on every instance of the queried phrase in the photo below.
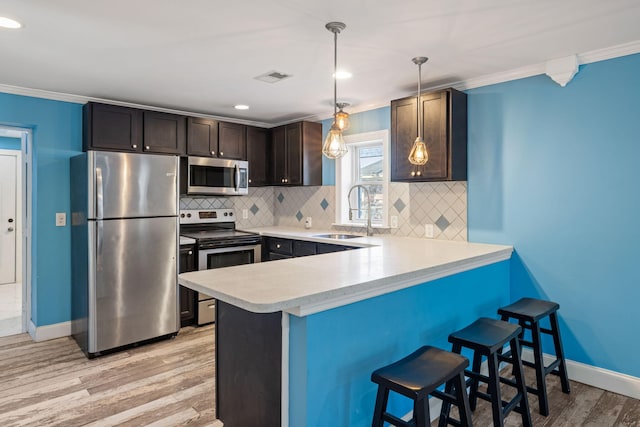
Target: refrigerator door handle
(237, 177)
(100, 239)
(99, 194)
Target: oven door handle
(237, 178)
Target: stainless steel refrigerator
(124, 216)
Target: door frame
(24, 184)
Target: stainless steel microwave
(214, 177)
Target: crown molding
(80, 99)
(612, 52)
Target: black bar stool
(486, 337)
(417, 376)
(528, 312)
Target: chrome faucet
(369, 227)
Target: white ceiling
(201, 56)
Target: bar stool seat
(417, 376)
(487, 337)
(529, 312)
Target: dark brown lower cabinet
(248, 367)
(187, 297)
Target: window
(365, 164)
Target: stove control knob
(188, 215)
(226, 213)
(181, 215)
(230, 213)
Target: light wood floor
(171, 383)
(168, 383)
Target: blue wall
(554, 171)
(333, 353)
(7, 143)
(367, 121)
(57, 135)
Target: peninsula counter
(297, 339)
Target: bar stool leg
(494, 390)
(520, 382)
(463, 400)
(540, 376)
(421, 412)
(562, 367)
(474, 383)
(381, 404)
(446, 406)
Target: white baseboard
(49, 332)
(605, 379)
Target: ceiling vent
(272, 77)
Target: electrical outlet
(308, 222)
(394, 221)
(245, 213)
(61, 219)
(428, 231)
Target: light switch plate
(245, 213)
(394, 221)
(61, 219)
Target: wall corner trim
(562, 70)
(49, 332)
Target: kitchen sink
(337, 236)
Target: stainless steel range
(218, 244)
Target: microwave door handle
(237, 177)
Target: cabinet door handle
(221, 153)
(213, 153)
(134, 146)
(190, 253)
(249, 180)
(278, 246)
(10, 229)
(146, 148)
(419, 173)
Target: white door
(8, 166)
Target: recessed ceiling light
(9, 23)
(241, 107)
(341, 74)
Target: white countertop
(187, 241)
(312, 284)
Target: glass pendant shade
(418, 155)
(334, 146)
(342, 117)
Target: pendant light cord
(335, 75)
(418, 100)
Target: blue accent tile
(324, 204)
(254, 209)
(442, 223)
(280, 197)
(299, 216)
(399, 205)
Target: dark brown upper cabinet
(232, 141)
(211, 138)
(202, 137)
(115, 128)
(110, 127)
(258, 156)
(164, 133)
(297, 154)
(444, 117)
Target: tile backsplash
(443, 204)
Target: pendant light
(419, 155)
(334, 146)
(342, 117)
